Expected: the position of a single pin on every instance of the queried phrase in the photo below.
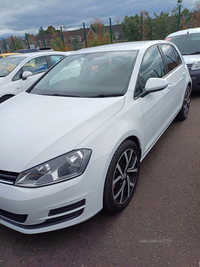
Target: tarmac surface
(160, 227)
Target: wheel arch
(136, 141)
(5, 97)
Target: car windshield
(101, 74)
(8, 64)
(188, 44)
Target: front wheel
(122, 177)
(183, 113)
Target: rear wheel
(183, 113)
(122, 177)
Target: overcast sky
(18, 17)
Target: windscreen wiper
(105, 95)
(195, 53)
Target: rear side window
(178, 59)
(55, 58)
(171, 57)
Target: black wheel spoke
(133, 168)
(120, 170)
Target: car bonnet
(190, 59)
(36, 128)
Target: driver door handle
(170, 85)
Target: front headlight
(59, 169)
(196, 65)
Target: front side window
(152, 67)
(100, 74)
(171, 58)
(36, 65)
(8, 64)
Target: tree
(50, 30)
(16, 43)
(147, 26)
(100, 36)
(97, 25)
(195, 16)
(186, 16)
(56, 43)
(161, 26)
(100, 39)
(130, 27)
(174, 16)
(76, 45)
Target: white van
(188, 42)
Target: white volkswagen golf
(73, 142)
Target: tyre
(122, 177)
(183, 113)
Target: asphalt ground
(160, 227)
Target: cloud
(22, 16)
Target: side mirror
(155, 84)
(26, 74)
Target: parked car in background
(19, 72)
(73, 142)
(188, 42)
(7, 55)
(30, 50)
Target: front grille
(189, 66)
(20, 218)
(8, 177)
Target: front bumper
(43, 209)
(195, 75)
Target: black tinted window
(171, 58)
(178, 59)
(152, 67)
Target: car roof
(183, 32)
(33, 54)
(138, 45)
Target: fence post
(43, 36)
(111, 39)
(63, 40)
(62, 35)
(179, 16)
(85, 35)
(26, 37)
(4, 44)
(141, 26)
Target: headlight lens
(196, 65)
(59, 169)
